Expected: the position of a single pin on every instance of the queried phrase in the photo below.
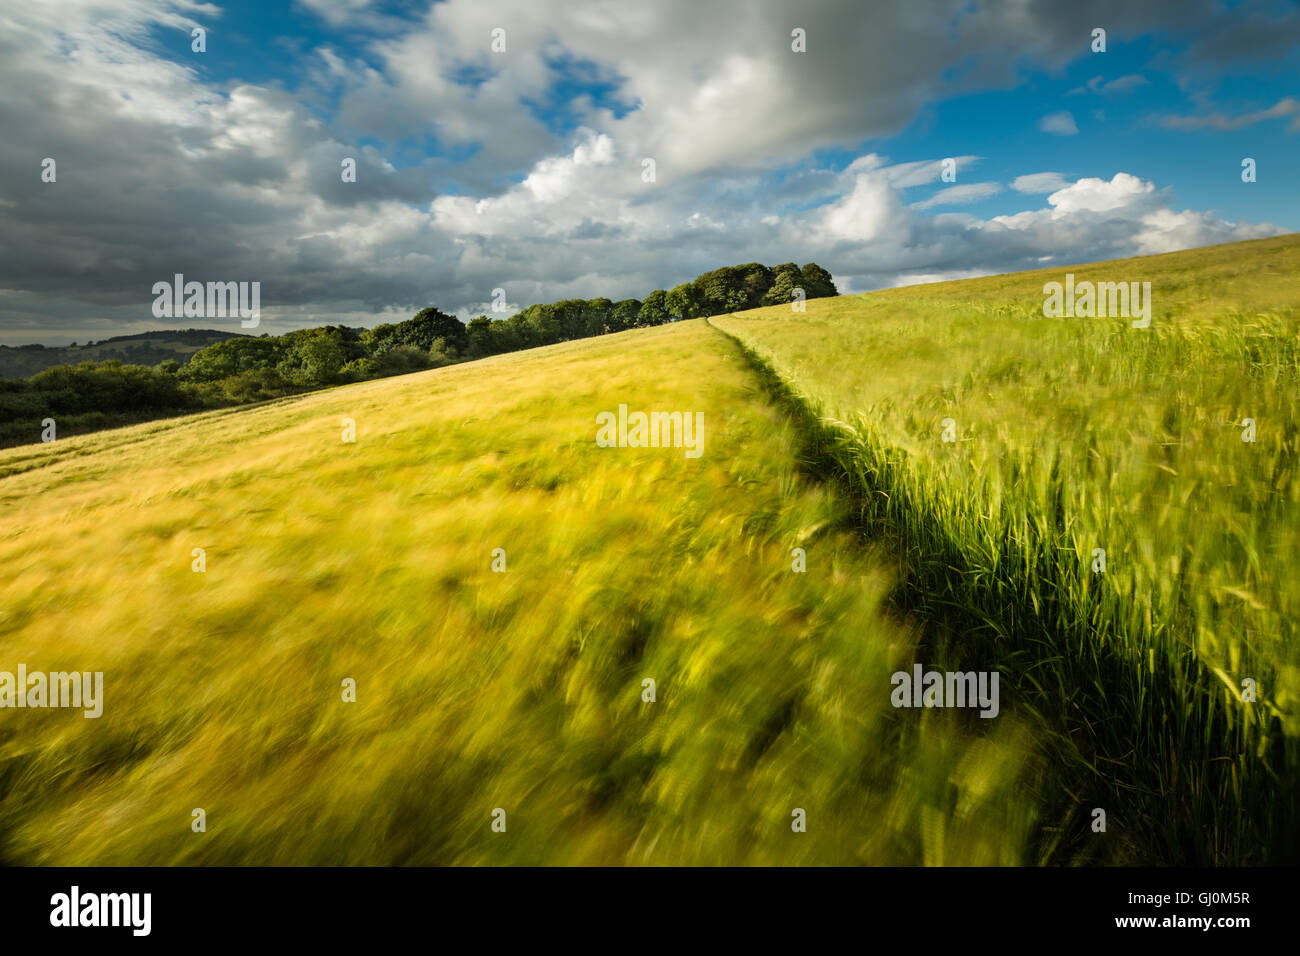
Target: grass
(1074, 434)
(476, 690)
(523, 690)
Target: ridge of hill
(141, 348)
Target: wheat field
(472, 635)
(476, 690)
(1078, 435)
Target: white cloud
(926, 171)
(241, 180)
(865, 213)
(1060, 123)
(968, 192)
(1098, 195)
(924, 278)
(335, 12)
(1167, 231)
(1038, 183)
(1124, 84)
(1288, 106)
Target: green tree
(732, 288)
(595, 317)
(513, 334)
(624, 315)
(380, 339)
(255, 385)
(108, 387)
(224, 359)
(314, 356)
(654, 310)
(570, 317)
(429, 324)
(542, 324)
(817, 282)
(786, 279)
(680, 302)
(756, 280)
(482, 341)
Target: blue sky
(522, 169)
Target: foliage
(1079, 434)
(237, 369)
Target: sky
(816, 130)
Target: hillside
(145, 348)
(475, 690)
(120, 382)
(1173, 449)
(500, 587)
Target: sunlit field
(1163, 676)
(504, 716)
(472, 635)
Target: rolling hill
(475, 690)
(475, 634)
(144, 348)
(1115, 519)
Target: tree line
(93, 395)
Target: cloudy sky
(525, 168)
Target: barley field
(500, 716)
(474, 636)
(1164, 683)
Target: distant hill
(144, 348)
